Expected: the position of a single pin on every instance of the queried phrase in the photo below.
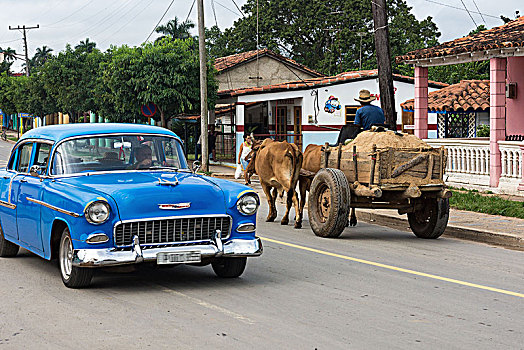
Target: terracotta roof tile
(227, 62)
(322, 81)
(508, 35)
(467, 95)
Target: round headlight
(97, 212)
(248, 204)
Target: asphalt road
(373, 288)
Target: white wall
(345, 93)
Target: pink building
(496, 163)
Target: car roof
(63, 131)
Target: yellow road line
(394, 268)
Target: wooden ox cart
(406, 179)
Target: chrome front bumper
(215, 249)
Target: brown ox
(311, 165)
(278, 166)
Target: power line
(73, 13)
(9, 41)
(119, 18)
(470, 16)
(238, 8)
(130, 20)
(190, 10)
(227, 8)
(214, 12)
(481, 16)
(460, 8)
(160, 20)
(99, 23)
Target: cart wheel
(431, 220)
(329, 199)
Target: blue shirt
(368, 115)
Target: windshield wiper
(157, 167)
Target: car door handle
(23, 180)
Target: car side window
(24, 157)
(42, 154)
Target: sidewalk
(491, 229)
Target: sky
(130, 22)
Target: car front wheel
(229, 267)
(72, 276)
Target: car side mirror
(35, 171)
(196, 165)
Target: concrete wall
(515, 107)
(272, 71)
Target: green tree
(70, 79)
(9, 57)
(165, 73)
(175, 29)
(323, 34)
(86, 45)
(42, 54)
(7, 91)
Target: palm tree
(9, 54)
(86, 45)
(175, 29)
(41, 56)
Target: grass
(473, 201)
(12, 138)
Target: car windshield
(118, 152)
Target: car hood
(138, 195)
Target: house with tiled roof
(457, 110)
(309, 111)
(495, 163)
(258, 68)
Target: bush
(483, 130)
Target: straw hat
(365, 96)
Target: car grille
(174, 230)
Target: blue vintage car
(95, 195)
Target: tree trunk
(163, 121)
(385, 76)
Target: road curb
(400, 222)
(478, 235)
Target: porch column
(497, 118)
(521, 185)
(421, 102)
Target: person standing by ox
(245, 149)
(367, 115)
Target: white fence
(468, 163)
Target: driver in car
(143, 158)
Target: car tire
(229, 267)
(72, 276)
(7, 249)
(431, 220)
(329, 203)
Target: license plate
(178, 258)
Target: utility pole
(385, 75)
(24, 28)
(203, 86)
